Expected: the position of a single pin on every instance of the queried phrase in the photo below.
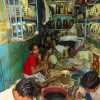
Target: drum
(52, 59)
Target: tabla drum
(52, 59)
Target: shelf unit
(58, 1)
(93, 32)
(22, 19)
(89, 20)
(60, 12)
(58, 29)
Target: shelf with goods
(60, 22)
(92, 2)
(62, 14)
(58, 1)
(92, 12)
(62, 7)
(93, 24)
(91, 8)
(88, 20)
(22, 18)
(91, 19)
(87, 2)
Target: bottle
(57, 9)
(65, 24)
(50, 23)
(59, 23)
(53, 23)
(65, 9)
(62, 8)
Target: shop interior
(67, 34)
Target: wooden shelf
(66, 15)
(94, 19)
(59, 1)
(63, 1)
(30, 19)
(63, 16)
(58, 29)
(22, 39)
(93, 3)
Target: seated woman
(33, 63)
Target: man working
(25, 89)
(90, 87)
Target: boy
(25, 89)
(90, 89)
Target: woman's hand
(39, 57)
(80, 93)
(78, 96)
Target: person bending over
(90, 87)
(25, 89)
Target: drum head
(55, 96)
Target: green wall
(12, 58)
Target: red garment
(32, 61)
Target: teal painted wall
(12, 54)
(12, 57)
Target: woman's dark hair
(27, 87)
(90, 80)
(32, 45)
